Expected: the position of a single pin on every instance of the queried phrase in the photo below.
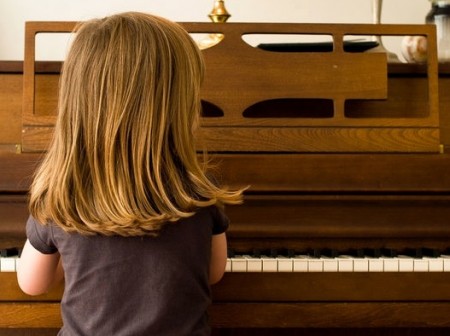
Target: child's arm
(38, 272)
(218, 257)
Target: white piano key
(390, 264)
(239, 264)
(269, 264)
(315, 265)
(345, 264)
(285, 264)
(421, 265)
(253, 264)
(446, 261)
(330, 265)
(228, 265)
(361, 265)
(376, 265)
(8, 264)
(435, 264)
(405, 263)
(300, 263)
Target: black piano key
(281, 252)
(10, 252)
(418, 253)
(316, 253)
(273, 253)
(290, 253)
(390, 253)
(329, 253)
(352, 253)
(256, 253)
(361, 253)
(377, 253)
(412, 252)
(372, 253)
(430, 252)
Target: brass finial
(219, 13)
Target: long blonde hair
(123, 159)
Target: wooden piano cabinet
(369, 174)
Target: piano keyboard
(333, 262)
(9, 261)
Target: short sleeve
(221, 221)
(40, 236)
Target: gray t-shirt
(139, 285)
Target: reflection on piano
(344, 230)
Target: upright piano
(344, 229)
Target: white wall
(13, 14)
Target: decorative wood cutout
(370, 110)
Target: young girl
(120, 207)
